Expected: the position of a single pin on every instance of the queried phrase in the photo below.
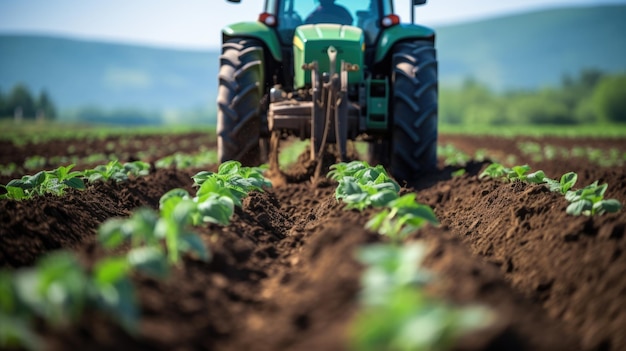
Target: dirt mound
(283, 273)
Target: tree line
(21, 103)
(590, 97)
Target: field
(283, 273)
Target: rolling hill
(528, 51)
(82, 73)
(534, 49)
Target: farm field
(283, 273)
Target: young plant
(401, 217)
(518, 173)
(181, 161)
(564, 185)
(58, 290)
(146, 230)
(44, 182)
(515, 173)
(113, 292)
(343, 169)
(495, 171)
(360, 196)
(233, 176)
(590, 201)
(397, 314)
(361, 185)
(452, 156)
(114, 170)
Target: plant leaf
(75, 183)
(536, 177)
(149, 260)
(607, 206)
(579, 207)
(110, 270)
(191, 242)
(567, 181)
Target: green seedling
(35, 162)
(390, 266)
(361, 186)
(401, 217)
(7, 170)
(361, 171)
(58, 290)
(146, 230)
(590, 201)
(494, 170)
(176, 216)
(238, 179)
(117, 172)
(458, 173)
(515, 173)
(518, 172)
(214, 186)
(346, 169)
(181, 161)
(44, 182)
(453, 156)
(397, 314)
(360, 196)
(564, 185)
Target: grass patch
(573, 131)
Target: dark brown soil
(283, 275)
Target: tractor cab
(370, 16)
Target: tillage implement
(330, 71)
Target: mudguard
(398, 33)
(255, 30)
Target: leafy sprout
(44, 182)
(401, 217)
(117, 172)
(397, 314)
(590, 201)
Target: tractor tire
(411, 149)
(239, 105)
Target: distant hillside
(523, 51)
(78, 73)
(534, 49)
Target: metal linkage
(330, 104)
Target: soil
(283, 276)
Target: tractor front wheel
(241, 88)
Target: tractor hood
(311, 43)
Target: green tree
(3, 106)
(45, 106)
(547, 106)
(609, 98)
(21, 98)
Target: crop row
(604, 158)
(58, 289)
(37, 133)
(58, 180)
(587, 201)
(394, 303)
(198, 159)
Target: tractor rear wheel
(241, 85)
(411, 149)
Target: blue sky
(196, 23)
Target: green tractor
(330, 71)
